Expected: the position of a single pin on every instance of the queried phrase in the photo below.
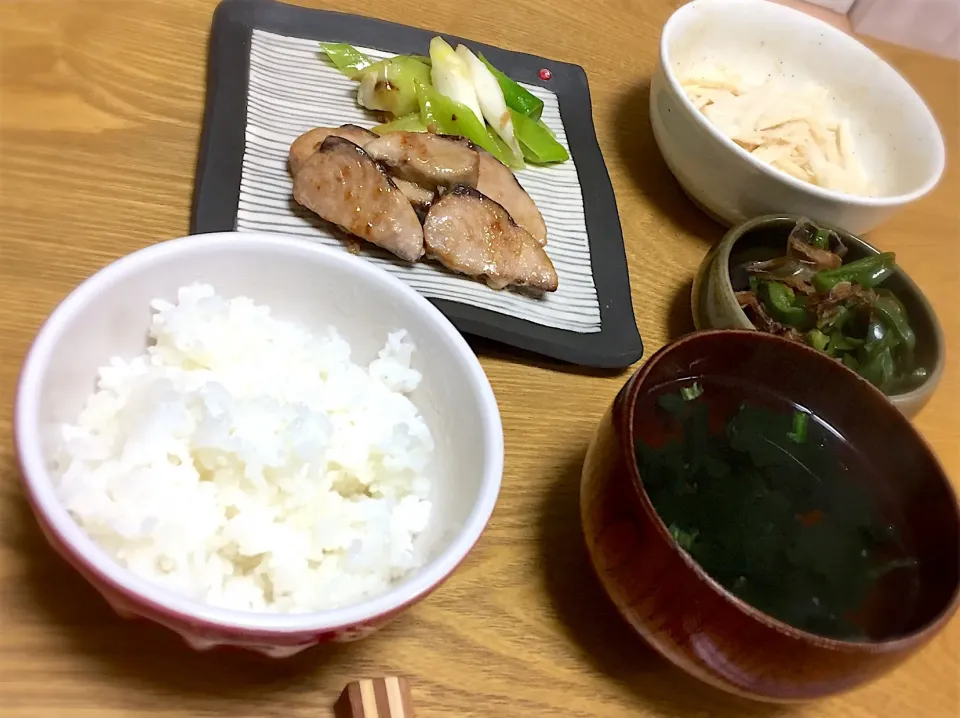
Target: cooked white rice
(246, 463)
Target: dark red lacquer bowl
(689, 618)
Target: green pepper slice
(836, 323)
(841, 342)
(879, 369)
(817, 339)
(778, 299)
(877, 338)
(798, 432)
(867, 272)
(891, 313)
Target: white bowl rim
(38, 480)
(838, 35)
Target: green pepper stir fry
(811, 296)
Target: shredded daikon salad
(786, 125)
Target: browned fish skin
(431, 161)
(310, 141)
(342, 184)
(498, 182)
(470, 233)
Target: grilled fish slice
(431, 161)
(498, 182)
(470, 233)
(342, 184)
(310, 141)
(419, 197)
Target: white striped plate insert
(293, 88)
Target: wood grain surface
(100, 113)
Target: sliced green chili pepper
(817, 339)
(877, 337)
(876, 359)
(895, 299)
(778, 299)
(907, 376)
(841, 342)
(536, 141)
(882, 274)
(407, 123)
(879, 369)
(867, 272)
(516, 96)
(821, 240)
(348, 59)
(798, 433)
(840, 318)
(449, 117)
(890, 312)
(887, 293)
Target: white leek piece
(490, 96)
(451, 76)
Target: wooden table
(101, 110)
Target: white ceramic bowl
(108, 315)
(896, 137)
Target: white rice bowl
(246, 463)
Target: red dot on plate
(545, 74)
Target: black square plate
(267, 82)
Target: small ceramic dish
(715, 305)
(895, 136)
(686, 615)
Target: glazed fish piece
(470, 233)
(310, 141)
(419, 197)
(342, 184)
(498, 182)
(431, 161)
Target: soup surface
(776, 506)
